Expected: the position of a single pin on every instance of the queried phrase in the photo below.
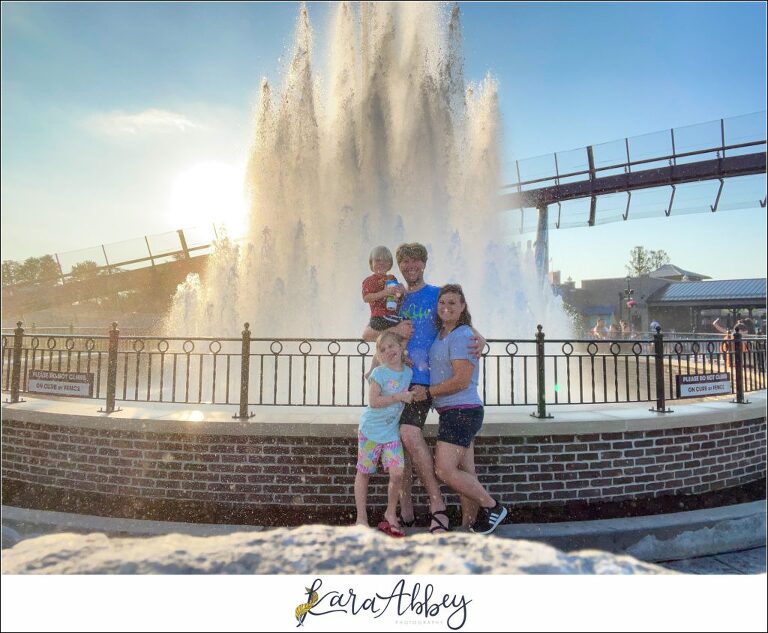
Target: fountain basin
(289, 466)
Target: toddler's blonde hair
(380, 251)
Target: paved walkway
(749, 561)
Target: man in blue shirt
(419, 309)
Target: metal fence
(249, 371)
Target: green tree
(85, 270)
(34, 269)
(10, 272)
(643, 261)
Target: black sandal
(404, 523)
(445, 527)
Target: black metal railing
(247, 371)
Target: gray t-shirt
(442, 352)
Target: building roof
(669, 271)
(720, 291)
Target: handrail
(249, 371)
(631, 163)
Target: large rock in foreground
(310, 549)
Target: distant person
(378, 434)
(599, 332)
(614, 331)
(453, 387)
(749, 325)
(626, 330)
(745, 326)
(746, 345)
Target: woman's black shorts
(459, 426)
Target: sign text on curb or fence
(702, 385)
(60, 383)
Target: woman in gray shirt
(453, 387)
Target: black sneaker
(488, 519)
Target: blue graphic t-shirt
(421, 308)
(382, 424)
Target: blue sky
(109, 109)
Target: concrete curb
(659, 537)
(654, 538)
(29, 523)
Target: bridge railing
(149, 250)
(714, 139)
(250, 372)
(630, 178)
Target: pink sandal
(390, 530)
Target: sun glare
(209, 193)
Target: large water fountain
(393, 146)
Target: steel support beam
(541, 248)
(745, 165)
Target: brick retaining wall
(318, 472)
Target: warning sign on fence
(702, 385)
(60, 383)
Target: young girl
(379, 431)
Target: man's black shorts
(381, 323)
(415, 414)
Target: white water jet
(399, 149)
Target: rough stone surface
(311, 549)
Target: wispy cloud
(152, 121)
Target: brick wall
(318, 472)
